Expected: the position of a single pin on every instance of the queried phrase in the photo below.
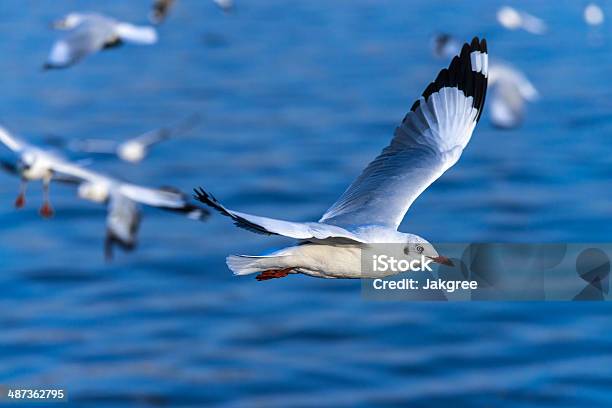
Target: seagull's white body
(428, 142)
(87, 33)
(123, 198)
(40, 168)
(327, 259)
(132, 151)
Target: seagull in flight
(123, 202)
(88, 33)
(123, 199)
(161, 8)
(31, 164)
(510, 89)
(593, 14)
(513, 19)
(132, 150)
(428, 142)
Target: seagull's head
(95, 192)
(68, 22)
(417, 247)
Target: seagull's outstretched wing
(166, 199)
(66, 170)
(271, 226)
(156, 136)
(122, 224)
(136, 34)
(89, 36)
(429, 141)
(10, 141)
(150, 138)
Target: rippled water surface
(296, 97)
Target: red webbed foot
(273, 274)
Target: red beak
(442, 260)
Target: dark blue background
(296, 97)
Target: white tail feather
(246, 265)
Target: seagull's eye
(420, 249)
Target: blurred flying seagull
(31, 163)
(132, 150)
(161, 8)
(513, 19)
(509, 87)
(593, 14)
(87, 33)
(225, 5)
(428, 142)
(123, 198)
(123, 201)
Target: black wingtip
(206, 198)
(201, 195)
(475, 44)
(478, 45)
(462, 75)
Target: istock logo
(386, 263)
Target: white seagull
(123, 201)
(510, 89)
(123, 198)
(31, 164)
(132, 150)
(593, 14)
(87, 33)
(428, 142)
(513, 19)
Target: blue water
(296, 97)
